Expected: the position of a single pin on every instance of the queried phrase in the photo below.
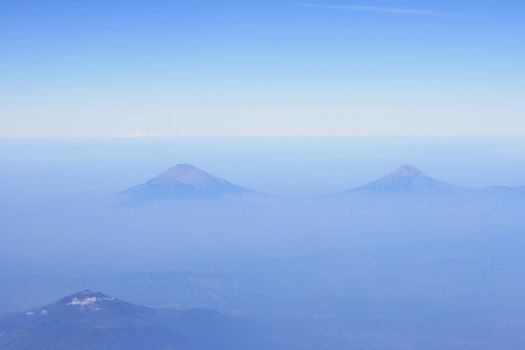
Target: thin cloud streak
(382, 9)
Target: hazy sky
(311, 67)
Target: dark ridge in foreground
(92, 320)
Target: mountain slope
(505, 192)
(184, 181)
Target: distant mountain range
(93, 321)
(185, 181)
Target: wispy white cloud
(141, 134)
(383, 9)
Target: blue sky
(240, 68)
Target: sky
(116, 68)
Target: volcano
(185, 181)
(408, 179)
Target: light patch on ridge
(84, 302)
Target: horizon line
(254, 136)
